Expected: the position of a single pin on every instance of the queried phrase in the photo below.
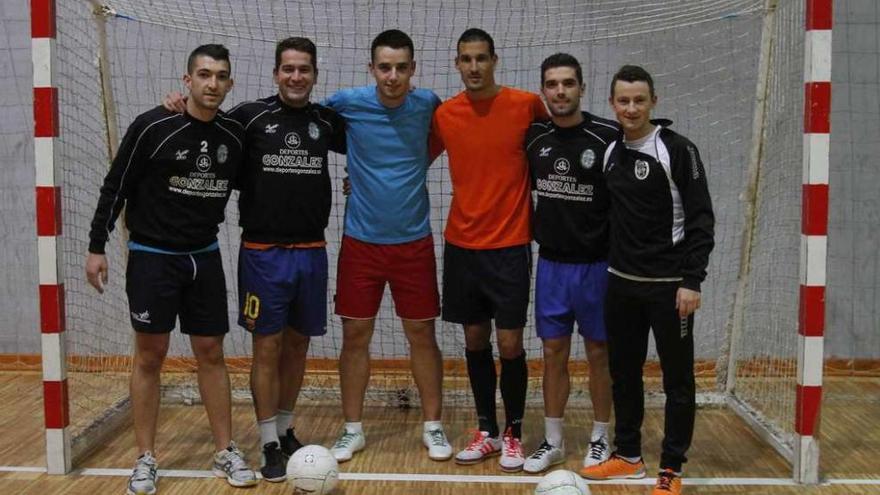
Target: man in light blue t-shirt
(388, 236)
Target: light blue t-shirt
(387, 164)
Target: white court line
(22, 469)
(453, 478)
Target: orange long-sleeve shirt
(491, 198)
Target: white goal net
(117, 58)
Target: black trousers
(632, 309)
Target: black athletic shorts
(161, 287)
(484, 284)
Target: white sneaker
(481, 447)
(347, 444)
(437, 445)
(512, 457)
(229, 463)
(144, 477)
(542, 459)
(597, 452)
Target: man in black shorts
(175, 172)
(487, 256)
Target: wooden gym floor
(723, 448)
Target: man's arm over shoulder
(247, 112)
(608, 130)
(435, 141)
(338, 101)
(539, 111)
(537, 130)
(337, 128)
(699, 218)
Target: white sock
(267, 430)
(283, 421)
(631, 460)
(553, 431)
(600, 430)
(433, 425)
(354, 427)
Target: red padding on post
(45, 112)
(819, 14)
(817, 107)
(55, 404)
(811, 314)
(814, 209)
(42, 18)
(48, 211)
(807, 406)
(52, 308)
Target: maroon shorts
(409, 268)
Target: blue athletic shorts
(569, 292)
(280, 287)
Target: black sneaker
(274, 468)
(289, 443)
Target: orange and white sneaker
(512, 456)
(615, 468)
(668, 483)
(481, 447)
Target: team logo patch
(314, 132)
(642, 170)
(203, 163)
(141, 317)
(588, 158)
(561, 166)
(292, 140)
(222, 154)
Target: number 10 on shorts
(251, 308)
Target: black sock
(481, 371)
(514, 381)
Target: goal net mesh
(116, 59)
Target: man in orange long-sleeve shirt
(487, 257)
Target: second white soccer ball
(562, 482)
(312, 469)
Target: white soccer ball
(562, 482)
(312, 469)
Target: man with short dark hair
(487, 257)
(174, 172)
(662, 231)
(571, 227)
(387, 237)
(282, 265)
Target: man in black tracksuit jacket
(174, 173)
(284, 208)
(662, 231)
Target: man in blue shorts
(571, 226)
(387, 236)
(282, 265)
